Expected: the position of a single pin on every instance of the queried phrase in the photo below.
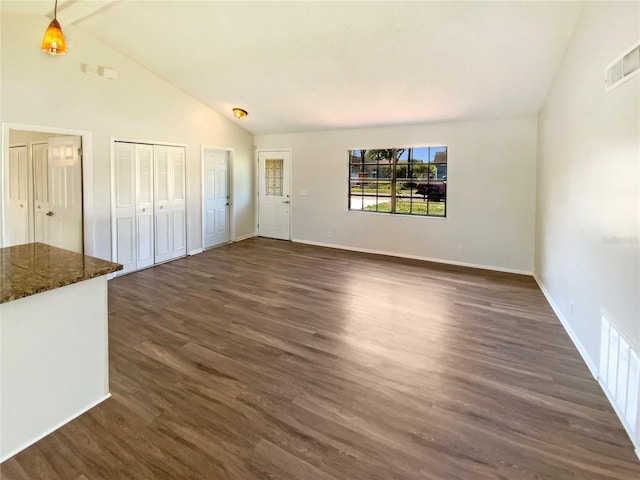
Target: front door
(274, 195)
(64, 228)
(216, 199)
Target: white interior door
(39, 158)
(65, 193)
(124, 199)
(274, 194)
(18, 202)
(144, 206)
(216, 201)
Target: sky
(423, 154)
(419, 154)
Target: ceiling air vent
(625, 67)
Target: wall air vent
(624, 68)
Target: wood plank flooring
(270, 360)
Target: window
(408, 181)
(273, 175)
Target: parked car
(432, 191)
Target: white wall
(38, 89)
(588, 198)
(491, 192)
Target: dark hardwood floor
(270, 360)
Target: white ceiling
(302, 66)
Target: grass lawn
(382, 189)
(418, 207)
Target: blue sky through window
(422, 154)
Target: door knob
(49, 214)
(286, 201)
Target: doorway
(216, 197)
(44, 190)
(274, 194)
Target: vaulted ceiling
(304, 66)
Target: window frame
(367, 174)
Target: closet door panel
(125, 206)
(162, 204)
(144, 205)
(163, 236)
(178, 201)
(125, 235)
(145, 240)
(179, 234)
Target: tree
(392, 155)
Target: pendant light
(53, 40)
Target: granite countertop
(35, 268)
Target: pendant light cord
(55, 11)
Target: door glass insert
(273, 175)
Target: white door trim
(257, 153)
(232, 223)
(88, 195)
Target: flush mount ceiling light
(239, 112)
(53, 40)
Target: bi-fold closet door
(169, 202)
(149, 204)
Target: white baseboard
(245, 237)
(196, 251)
(567, 326)
(591, 365)
(53, 429)
(414, 257)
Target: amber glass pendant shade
(53, 39)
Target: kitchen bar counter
(54, 358)
(35, 268)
